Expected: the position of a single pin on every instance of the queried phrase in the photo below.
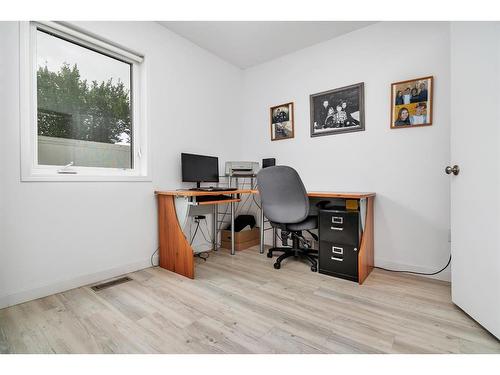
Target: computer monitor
(199, 168)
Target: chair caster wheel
(269, 255)
(277, 266)
(314, 268)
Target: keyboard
(214, 188)
(210, 198)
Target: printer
(242, 168)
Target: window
(83, 100)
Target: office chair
(286, 206)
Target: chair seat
(311, 222)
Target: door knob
(455, 170)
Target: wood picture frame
(337, 111)
(282, 118)
(412, 103)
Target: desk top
(312, 194)
(335, 194)
(198, 193)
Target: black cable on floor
(195, 231)
(199, 255)
(152, 255)
(418, 273)
(203, 232)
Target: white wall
(404, 166)
(56, 236)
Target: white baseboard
(64, 285)
(445, 275)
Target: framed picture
(338, 111)
(282, 118)
(411, 103)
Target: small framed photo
(282, 118)
(338, 111)
(411, 103)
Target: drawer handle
(337, 250)
(337, 219)
(336, 228)
(338, 259)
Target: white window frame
(30, 169)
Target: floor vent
(109, 284)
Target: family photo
(338, 111)
(412, 103)
(282, 121)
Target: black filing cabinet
(339, 238)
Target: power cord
(152, 255)
(253, 195)
(202, 255)
(418, 273)
(203, 232)
(195, 231)
(190, 242)
(404, 271)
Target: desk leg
(232, 228)
(366, 249)
(215, 226)
(261, 250)
(176, 254)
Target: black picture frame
(328, 119)
(281, 118)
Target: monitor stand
(198, 186)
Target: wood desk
(176, 253)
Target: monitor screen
(199, 168)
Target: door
(475, 190)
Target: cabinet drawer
(340, 227)
(338, 260)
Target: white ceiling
(249, 43)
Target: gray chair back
(283, 195)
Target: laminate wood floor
(241, 304)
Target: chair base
(296, 252)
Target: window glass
(83, 106)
